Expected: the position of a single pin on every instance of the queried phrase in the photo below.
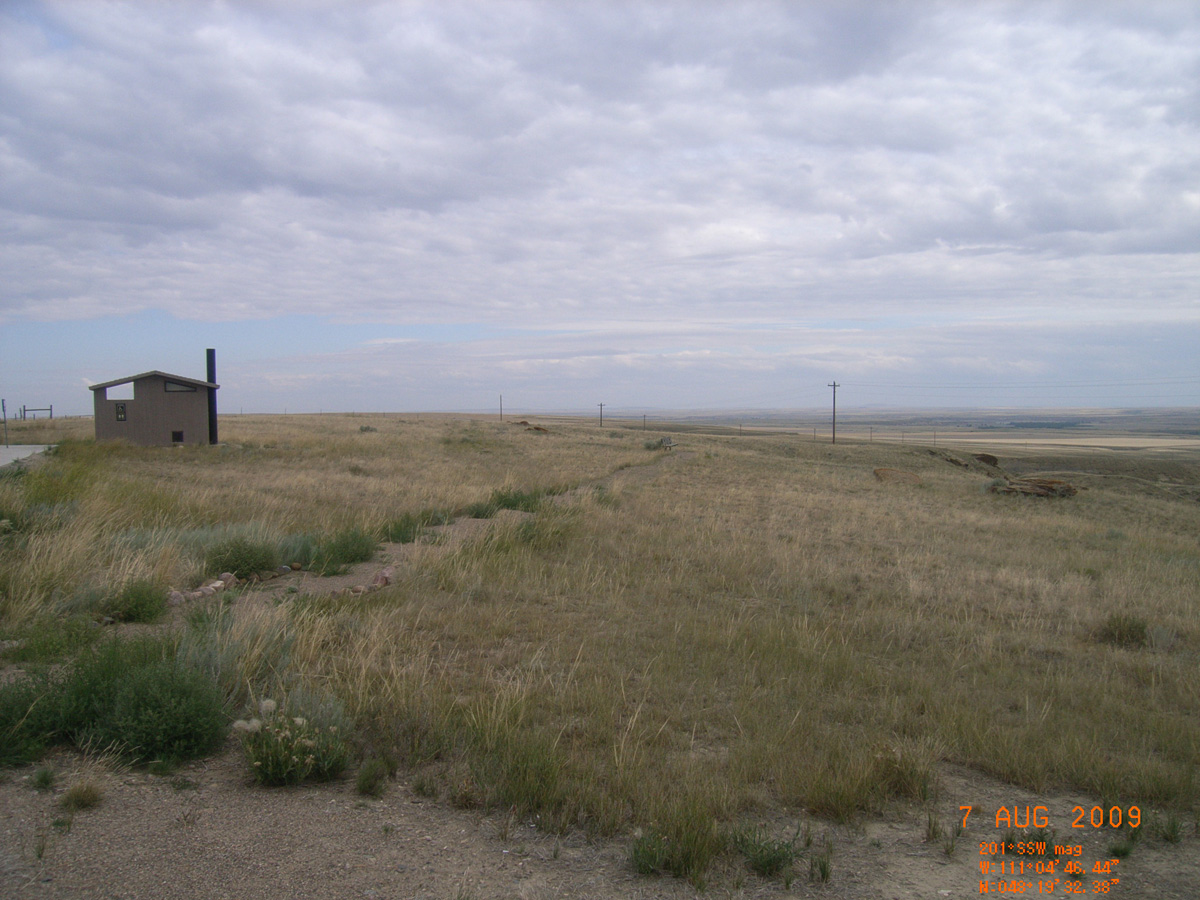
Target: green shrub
(286, 749)
(132, 697)
(28, 719)
(343, 549)
(372, 778)
(90, 686)
(83, 795)
(139, 601)
(43, 779)
(241, 555)
(162, 712)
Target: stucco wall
(153, 414)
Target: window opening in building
(176, 437)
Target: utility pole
(501, 407)
(4, 410)
(835, 387)
(601, 415)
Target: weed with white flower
(287, 749)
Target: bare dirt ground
(207, 832)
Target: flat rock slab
(20, 451)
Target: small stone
(229, 579)
(284, 570)
(175, 598)
(295, 567)
(384, 577)
(217, 586)
(206, 591)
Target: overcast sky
(414, 206)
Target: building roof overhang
(167, 375)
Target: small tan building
(166, 409)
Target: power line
(1021, 385)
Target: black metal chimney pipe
(212, 396)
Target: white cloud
(611, 170)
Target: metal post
(835, 387)
(601, 405)
(211, 371)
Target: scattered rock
(948, 457)
(296, 567)
(897, 476)
(1034, 487)
(228, 579)
(175, 598)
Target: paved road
(19, 451)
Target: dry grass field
(666, 649)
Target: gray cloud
(543, 165)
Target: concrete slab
(20, 451)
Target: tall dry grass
(755, 622)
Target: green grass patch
(139, 601)
(408, 527)
(50, 638)
(766, 856)
(1122, 630)
(241, 555)
(82, 795)
(343, 549)
(372, 777)
(298, 549)
(684, 840)
(529, 500)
